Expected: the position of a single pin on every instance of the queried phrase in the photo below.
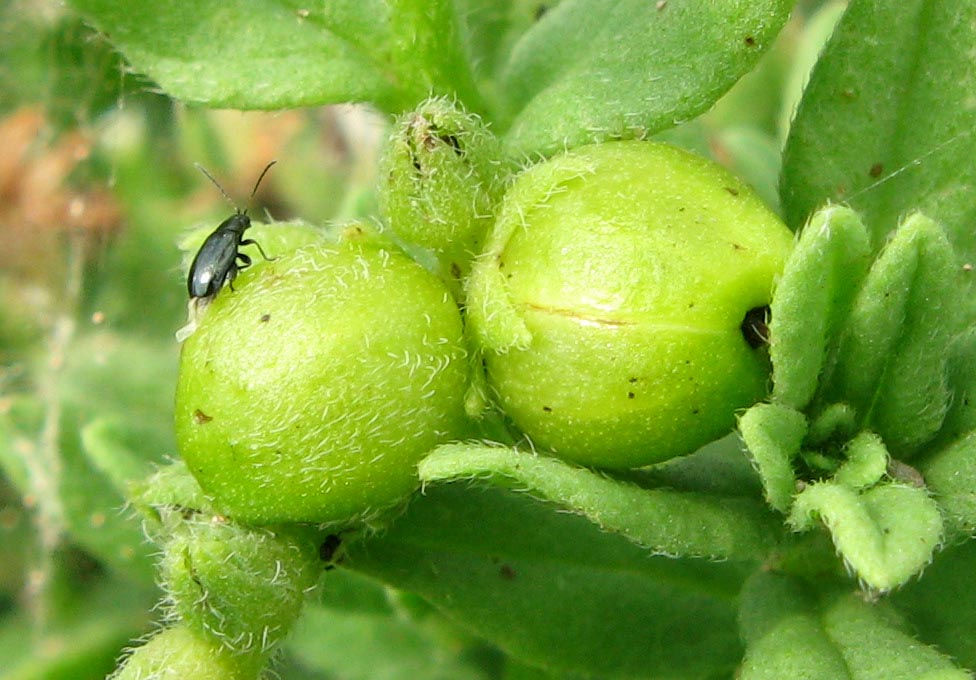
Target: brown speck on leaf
(540, 11)
(750, 41)
(848, 94)
(265, 318)
(507, 572)
(732, 190)
(201, 418)
(736, 246)
(632, 380)
(631, 395)
(455, 271)
(876, 170)
(547, 409)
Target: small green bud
(440, 179)
(180, 654)
(242, 587)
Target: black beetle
(219, 258)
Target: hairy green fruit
(612, 298)
(311, 392)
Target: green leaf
(266, 55)
(942, 605)
(591, 71)
(427, 48)
(867, 460)
(104, 443)
(950, 474)
(792, 633)
(961, 417)
(877, 646)
(783, 633)
(811, 300)
(886, 534)
(773, 434)
(357, 645)
(554, 590)
(891, 365)
(896, 135)
(665, 521)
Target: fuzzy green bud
(440, 179)
(180, 654)
(242, 587)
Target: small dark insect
(219, 258)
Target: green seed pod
(440, 179)
(311, 392)
(241, 587)
(612, 301)
(179, 654)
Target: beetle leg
(231, 275)
(252, 242)
(245, 261)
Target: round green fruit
(612, 298)
(311, 391)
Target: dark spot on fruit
(876, 170)
(630, 395)
(547, 409)
(201, 418)
(732, 190)
(329, 547)
(506, 572)
(750, 41)
(265, 318)
(755, 326)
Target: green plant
(834, 544)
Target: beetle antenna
(257, 184)
(217, 184)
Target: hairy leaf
(555, 590)
(666, 522)
(260, 55)
(886, 534)
(811, 301)
(886, 122)
(892, 361)
(773, 434)
(591, 71)
(791, 632)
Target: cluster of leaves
(685, 570)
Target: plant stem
(44, 466)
